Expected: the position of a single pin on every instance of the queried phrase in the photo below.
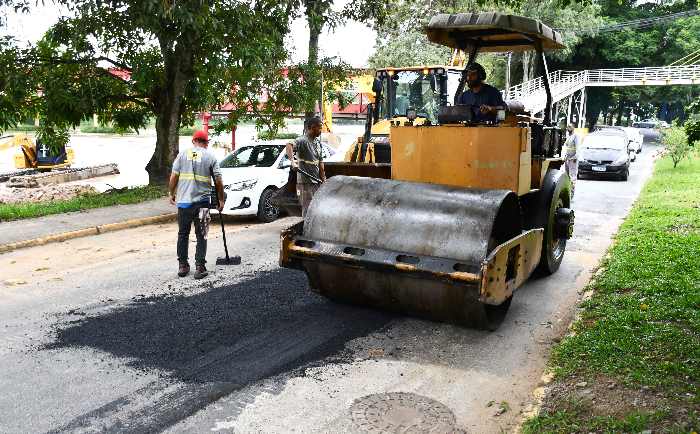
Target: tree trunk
(620, 109)
(510, 55)
(527, 57)
(591, 123)
(314, 8)
(169, 103)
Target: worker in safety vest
(573, 152)
(192, 174)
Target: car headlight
(243, 185)
(622, 160)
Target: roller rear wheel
(539, 211)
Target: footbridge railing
(563, 84)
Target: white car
(253, 172)
(636, 136)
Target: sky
(353, 42)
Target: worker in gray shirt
(192, 175)
(306, 156)
(572, 153)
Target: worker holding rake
(306, 157)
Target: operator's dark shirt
(488, 95)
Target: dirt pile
(44, 193)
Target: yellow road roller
(465, 211)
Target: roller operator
(485, 98)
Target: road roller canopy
(491, 32)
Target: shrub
(675, 144)
(187, 131)
(265, 135)
(692, 128)
(24, 128)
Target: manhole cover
(401, 413)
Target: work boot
(184, 269)
(200, 272)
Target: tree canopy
(127, 60)
(401, 42)
(658, 44)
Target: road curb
(90, 231)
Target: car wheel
(624, 176)
(267, 211)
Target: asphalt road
(104, 337)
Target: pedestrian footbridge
(572, 85)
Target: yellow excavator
(30, 156)
(395, 90)
(465, 211)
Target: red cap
(201, 134)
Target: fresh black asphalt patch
(212, 343)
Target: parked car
(646, 123)
(628, 138)
(636, 136)
(663, 124)
(604, 154)
(253, 172)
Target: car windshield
(603, 141)
(252, 156)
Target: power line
(629, 25)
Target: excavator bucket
(447, 253)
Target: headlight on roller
(501, 115)
(622, 160)
(243, 185)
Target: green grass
(99, 129)
(24, 128)
(642, 323)
(265, 135)
(578, 419)
(114, 197)
(186, 131)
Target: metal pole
(568, 110)
(582, 118)
(545, 79)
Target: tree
(125, 60)
(319, 14)
(268, 97)
(552, 14)
(402, 41)
(660, 44)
